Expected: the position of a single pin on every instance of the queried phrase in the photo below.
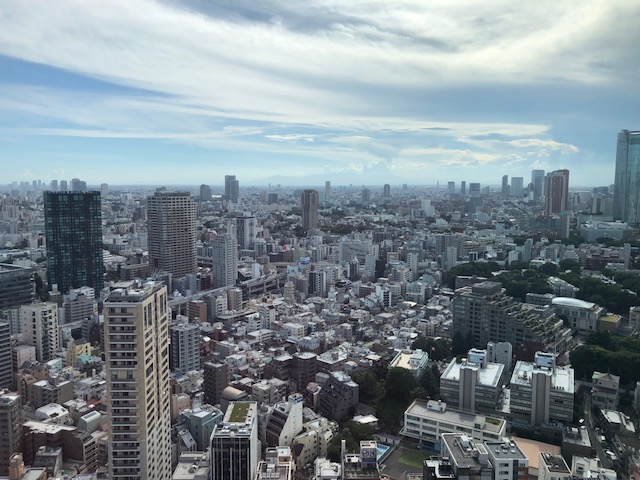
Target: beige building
(39, 323)
(171, 223)
(137, 365)
(604, 393)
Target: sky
(299, 92)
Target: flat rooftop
(488, 376)
(491, 424)
(561, 378)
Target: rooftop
(506, 450)
(555, 463)
(488, 376)
(573, 302)
(490, 424)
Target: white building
(413, 360)
(583, 316)
(509, 461)
(39, 326)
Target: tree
(570, 264)
(400, 383)
(549, 268)
(371, 391)
(459, 344)
(430, 383)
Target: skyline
(186, 92)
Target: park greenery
(604, 352)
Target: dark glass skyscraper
(626, 193)
(73, 228)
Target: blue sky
(409, 91)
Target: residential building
(184, 355)
(415, 361)
(486, 313)
(310, 203)
(556, 192)
(16, 285)
(278, 464)
(338, 396)
(193, 466)
(386, 190)
(171, 225)
(362, 465)
(541, 392)
(505, 186)
(245, 231)
(553, 467)
(285, 421)
(426, 421)
(313, 442)
(224, 260)
(235, 448)
(10, 429)
(216, 379)
(73, 230)
(304, 367)
(473, 384)
(137, 364)
(39, 326)
(605, 390)
(508, 460)
(626, 192)
(6, 364)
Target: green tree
(549, 268)
(569, 264)
(399, 384)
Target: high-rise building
(327, 191)
(16, 285)
(78, 185)
(39, 326)
(463, 187)
(474, 189)
(104, 189)
(205, 193)
(10, 429)
(310, 203)
(137, 364)
(231, 188)
(224, 260)
(64, 186)
(6, 367)
(556, 192)
(505, 186)
(245, 231)
(517, 187)
(235, 447)
(366, 195)
(386, 190)
(215, 380)
(185, 347)
(54, 185)
(537, 182)
(451, 188)
(626, 193)
(73, 229)
(171, 219)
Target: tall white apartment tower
(39, 325)
(225, 260)
(137, 365)
(171, 221)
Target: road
(593, 436)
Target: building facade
(626, 193)
(16, 285)
(39, 325)
(185, 347)
(73, 230)
(137, 364)
(10, 429)
(224, 260)
(231, 188)
(310, 203)
(556, 192)
(171, 223)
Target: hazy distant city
(319, 240)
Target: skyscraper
(205, 193)
(10, 429)
(556, 192)
(73, 229)
(626, 193)
(516, 187)
(327, 191)
(310, 203)
(224, 260)
(185, 347)
(537, 181)
(78, 185)
(386, 190)
(6, 369)
(137, 363)
(171, 219)
(231, 188)
(505, 186)
(245, 231)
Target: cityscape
(319, 240)
(336, 332)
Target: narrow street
(593, 436)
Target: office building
(508, 460)
(427, 421)
(39, 326)
(73, 229)
(235, 448)
(386, 190)
(205, 193)
(485, 313)
(137, 364)
(469, 459)
(463, 187)
(184, 355)
(16, 285)
(78, 305)
(6, 367)
(10, 429)
(224, 260)
(231, 188)
(556, 192)
(304, 367)
(284, 421)
(537, 183)
(473, 384)
(451, 188)
(78, 185)
(215, 380)
(505, 186)
(365, 196)
(416, 361)
(541, 392)
(626, 193)
(517, 187)
(171, 224)
(327, 191)
(310, 203)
